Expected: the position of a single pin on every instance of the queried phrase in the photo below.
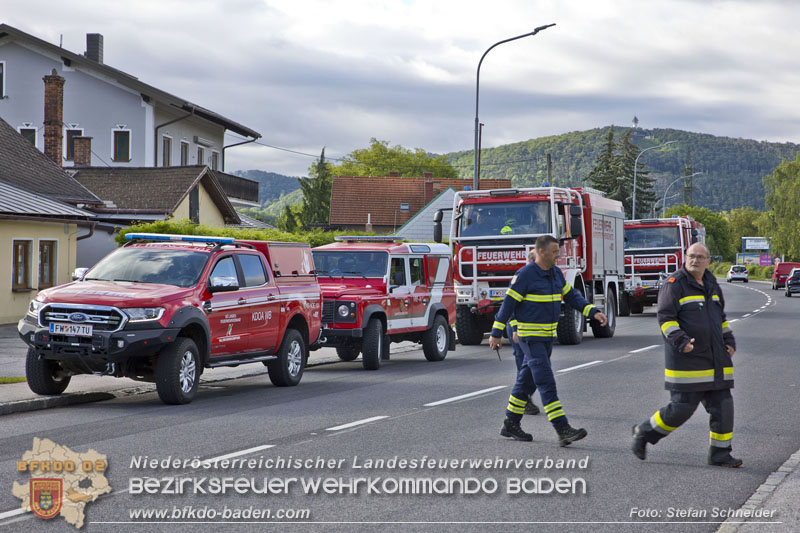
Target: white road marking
(745, 316)
(645, 348)
(732, 320)
(241, 452)
(469, 395)
(357, 423)
(9, 514)
(579, 366)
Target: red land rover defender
(164, 310)
(377, 290)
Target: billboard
(754, 243)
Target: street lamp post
(664, 202)
(635, 165)
(475, 177)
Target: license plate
(497, 293)
(80, 330)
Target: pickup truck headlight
(33, 308)
(143, 314)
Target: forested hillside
(273, 185)
(733, 168)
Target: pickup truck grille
(327, 312)
(101, 318)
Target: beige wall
(14, 304)
(209, 214)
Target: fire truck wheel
(637, 308)
(468, 328)
(287, 369)
(607, 331)
(624, 309)
(434, 340)
(347, 353)
(44, 377)
(372, 345)
(178, 372)
(570, 327)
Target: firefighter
(534, 298)
(511, 330)
(698, 349)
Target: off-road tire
(287, 369)
(607, 331)
(372, 344)
(347, 353)
(624, 308)
(435, 339)
(178, 372)
(637, 308)
(43, 375)
(468, 327)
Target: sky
(309, 74)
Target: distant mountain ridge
(733, 168)
(273, 185)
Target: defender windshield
(182, 268)
(509, 218)
(350, 264)
(641, 238)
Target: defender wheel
(347, 353)
(607, 331)
(178, 372)
(372, 345)
(434, 340)
(468, 327)
(44, 377)
(287, 369)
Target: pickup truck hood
(332, 291)
(115, 293)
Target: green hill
(273, 185)
(733, 168)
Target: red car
(780, 274)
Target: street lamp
(664, 203)
(477, 89)
(635, 165)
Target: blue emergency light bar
(180, 238)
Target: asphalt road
(400, 412)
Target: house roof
(352, 197)
(152, 190)
(251, 223)
(23, 166)
(132, 82)
(16, 201)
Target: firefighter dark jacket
(534, 301)
(688, 310)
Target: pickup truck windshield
(350, 264)
(182, 268)
(505, 218)
(642, 238)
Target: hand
(689, 346)
(495, 342)
(602, 318)
(731, 349)
(515, 338)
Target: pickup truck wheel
(434, 340)
(372, 345)
(607, 331)
(178, 372)
(468, 328)
(287, 369)
(570, 327)
(347, 353)
(44, 377)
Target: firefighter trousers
(535, 373)
(718, 404)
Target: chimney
(53, 116)
(394, 174)
(428, 191)
(368, 227)
(83, 151)
(94, 47)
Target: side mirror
(576, 226)
(574, 210)
(223, 284)
(437, 226)
(78, 273)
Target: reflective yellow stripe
(555, 414)
(715, 298)
(566, 289)
(498, 325)
(727, 370)
(721, 436)
(514, 294)
(512, 322)
(586, 310)
(537, 333)
(726, 325)
(690, 299)
(517, 401)
(537, 324)
(669, 327)
(543, 297)
(660, 422)
(517, 410)
(551, 406)
(690, 373)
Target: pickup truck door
(419, 292)
(399, 308)
(228, 320)
(263, 304)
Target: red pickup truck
(164, 307)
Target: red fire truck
(493, 231)
(654, 248)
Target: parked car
(166, 309)
(780, 273)
(792, 282)
(738, 272)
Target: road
(412, 409)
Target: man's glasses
(698, 257)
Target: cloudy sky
(314, 73)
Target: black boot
(531, 408)
(568, 434)
(727, 461)
(639, 445)
(512, 429)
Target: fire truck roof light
(504, 192)
(179, 238)
(370, 238)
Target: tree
(782, 223)
(626, 157)
(687, 181)
(744, 223)
(289, 220)
(381, 160)
(605, 174)
(717, 228)
(316, 191)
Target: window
(47, 264)
(417, 270)
(22, 265)
(184, 153)
(253, 270)
(214, 160)
(29, 134)
(224, 272)
(398, 271)
(200, 156)
(70, 138)
(194, 204)
(166, 151)
(2, 79)
(122, 146)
